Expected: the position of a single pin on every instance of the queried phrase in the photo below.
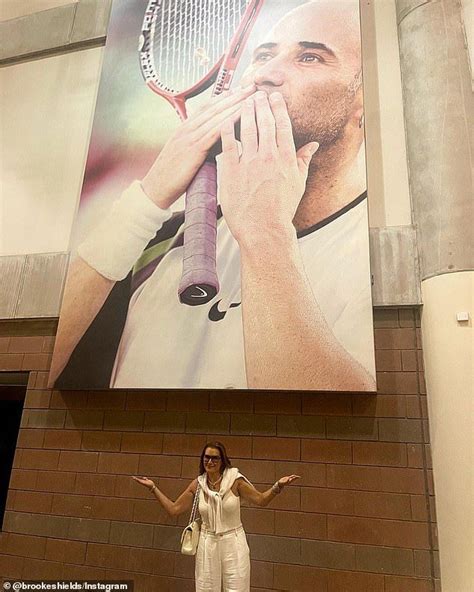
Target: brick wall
(361, 519)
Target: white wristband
(117, 242)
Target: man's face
(312, 57)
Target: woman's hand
(185, 152)
(287, 480)
(148, 483)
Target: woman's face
(212, 461)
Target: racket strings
(186, 39)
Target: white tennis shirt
(166, 344)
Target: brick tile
(39, 569)
(118, 463)
(382, 505)
(327, 501)
(401, 584)
(386, 317)
(261, 574)
(55, 482)
(163, 466)
(11, 567)
(151, 561)
(277, 402)
(20, 344)
(400, 430)
(4, 343)
(236, 446)
(87, 483)
(422, 563)
(415, 455)
(36, 524)
(407, 317)
(137, 442)
(82, 462)
(347, 581)
(79, 506)
(312, 474)
(37, 399)
(11, 361)
(393, 479)
(300, 525)
(241, 402)
(84, 419)
(392, 338)
(301, 426)
(33, 501)
(43, 418)
(82, 572)
(159, 421)
(401, 383)
(30, 438)
(130, 534)
(326, 451)
(21, 479)
(110, 399)
(193, 401)
(389, 360)
(109, 556)
(251, 424)
(84, 529)
(40, 459)
(351, 428)
(32, 376)
(70, 400)
(419, 508)
(124, 420)
(276, 448)
(409, 360)
(62, 439)
(270, 548)
(258, 521)
(207, 423)
(48, 344)
(65, 551)
(41, 381)
(327, 554)
(379, 405)
(146, 400)
(390, 533)
(326, 404)
(292, 578)
(385, 560)
(103, 441)
(36, 362)
(150, 511)
(413, 406)
(187, 444)
(380, 454)
(25, 546)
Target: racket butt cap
(197, 294)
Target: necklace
(214, 483)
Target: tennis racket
(185, 46)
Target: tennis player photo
(221, 239)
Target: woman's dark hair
(226, 464)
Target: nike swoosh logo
(217, 315)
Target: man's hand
(184, 153)
(261, 188)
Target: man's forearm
(288, 343)
(85, 293)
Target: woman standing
(222, 559)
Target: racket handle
(199, 283)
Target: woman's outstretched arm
(258, 498)
(183, 504)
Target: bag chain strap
(195, 503)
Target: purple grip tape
(199, 282)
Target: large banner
(254, 110)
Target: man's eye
(309, 58)
(263, 57)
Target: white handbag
(190, 536)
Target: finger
(248, 128)
(210, 134)
(284, 130)
(265, 123)
(304, 156)
(230, 148)
(219, 104)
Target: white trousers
(223, 562)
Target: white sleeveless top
(230, 511)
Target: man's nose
(271, 74)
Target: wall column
(438, 107)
